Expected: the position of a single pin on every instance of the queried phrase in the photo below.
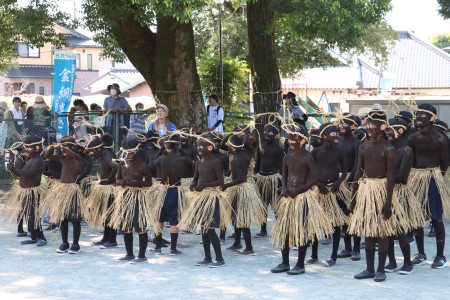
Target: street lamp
(219, 4)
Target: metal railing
(115, 123)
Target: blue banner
(64, 76)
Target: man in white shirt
(215, 114)
(16, 113)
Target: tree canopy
(444, 8)
(32, 24)
(441, 40)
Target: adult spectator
(95, 107)
(13, 132)
(17, 114)
(81, 122)
(137, 121)
(39, 114)
(114, 103)
(290, 109)
(24, 107)
(215, 114)
(3, 131)
(162, 124)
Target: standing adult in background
(12, 130)
(17, 114)
(24, 107)
(290, 108)
(40, 114)
(162, 124)
(81, 122)
(114, 103)
(215, 114)
(290, 112)
(137, 121)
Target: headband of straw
(129, 150)
(378, 113)
(34, 144)
(440, 126)
(286, 128)
(326, 127)
(426, 111)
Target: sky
(420, 16)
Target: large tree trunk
(177, 83)
(166, 60)
(263, 59)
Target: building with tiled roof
(132, 83)
(414, 67)
(33, 74)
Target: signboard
(64, 76)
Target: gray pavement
(29, 272)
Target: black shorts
(215, 221)
(169, 211)
(434, 201)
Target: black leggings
(64, 227)
(383, 245)
(301, 254)
(247, 237)
(404, 246)
(210, 237)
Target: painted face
(32, 150)
(332, 137)
(94, 152)
(315, 141)
(131, 155)
(373, 129)
(294, 142)
(422, 120)
(203, 148)
(269, 135)
(344, 128)
(390, 133)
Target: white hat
(377, 106)
(39, 102)
(163, 107)
(3, 105)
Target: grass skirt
(158, 192)
(248, 208)
(300, 219)
(64, 201)
(18, 202)
(419, 183)
(367, 218)
(330, 205)
(98, 202)
(411, 205)
(186, 182)
(201, 209)
(46, 184)
(268, 187)
(87, 183)
(132, 206)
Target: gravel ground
(28, 272)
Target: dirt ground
(29, 272)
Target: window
(78, 62)
(89, 61)
(41, 90)
(24, 50)
(30, 88)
